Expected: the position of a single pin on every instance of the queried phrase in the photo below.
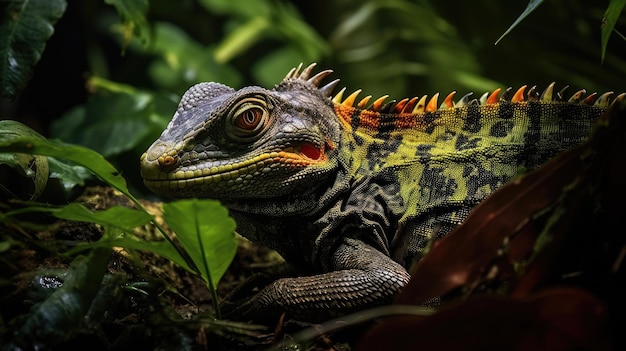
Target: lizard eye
(248, 119)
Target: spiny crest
(417, 105)
(294, 73)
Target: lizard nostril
(167, 161)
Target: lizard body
(350, 192)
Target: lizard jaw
(162, 172)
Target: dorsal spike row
(424, 104)
(315, 80)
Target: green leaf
(35, 167)
(69, 175)
(609, 20)
(132, 242)
(532, 5)
(112, 121)
(289, 25)
(116, 119)
(242, 38)
(12, 139)
(283, 22)
(206, 232)
(123, 218)
(133, 13)
(25, 27)
(40, 168)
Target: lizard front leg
(361, 276)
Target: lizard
(351, 191)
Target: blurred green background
(111, 78)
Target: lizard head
(250, 143)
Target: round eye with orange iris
(249, 118)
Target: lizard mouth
(166, 171)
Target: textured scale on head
(259, 143)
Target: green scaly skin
(348, 194)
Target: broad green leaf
(69, 175)
(133, 13)
(128, 241)
(609, 20)
(116, 119)
(532, 5)
(25, 27)
(206, 232)
(41, 168)
(11, 141)
(123, 218)
(109, 123)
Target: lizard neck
(305, 202)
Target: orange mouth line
(297, 157)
